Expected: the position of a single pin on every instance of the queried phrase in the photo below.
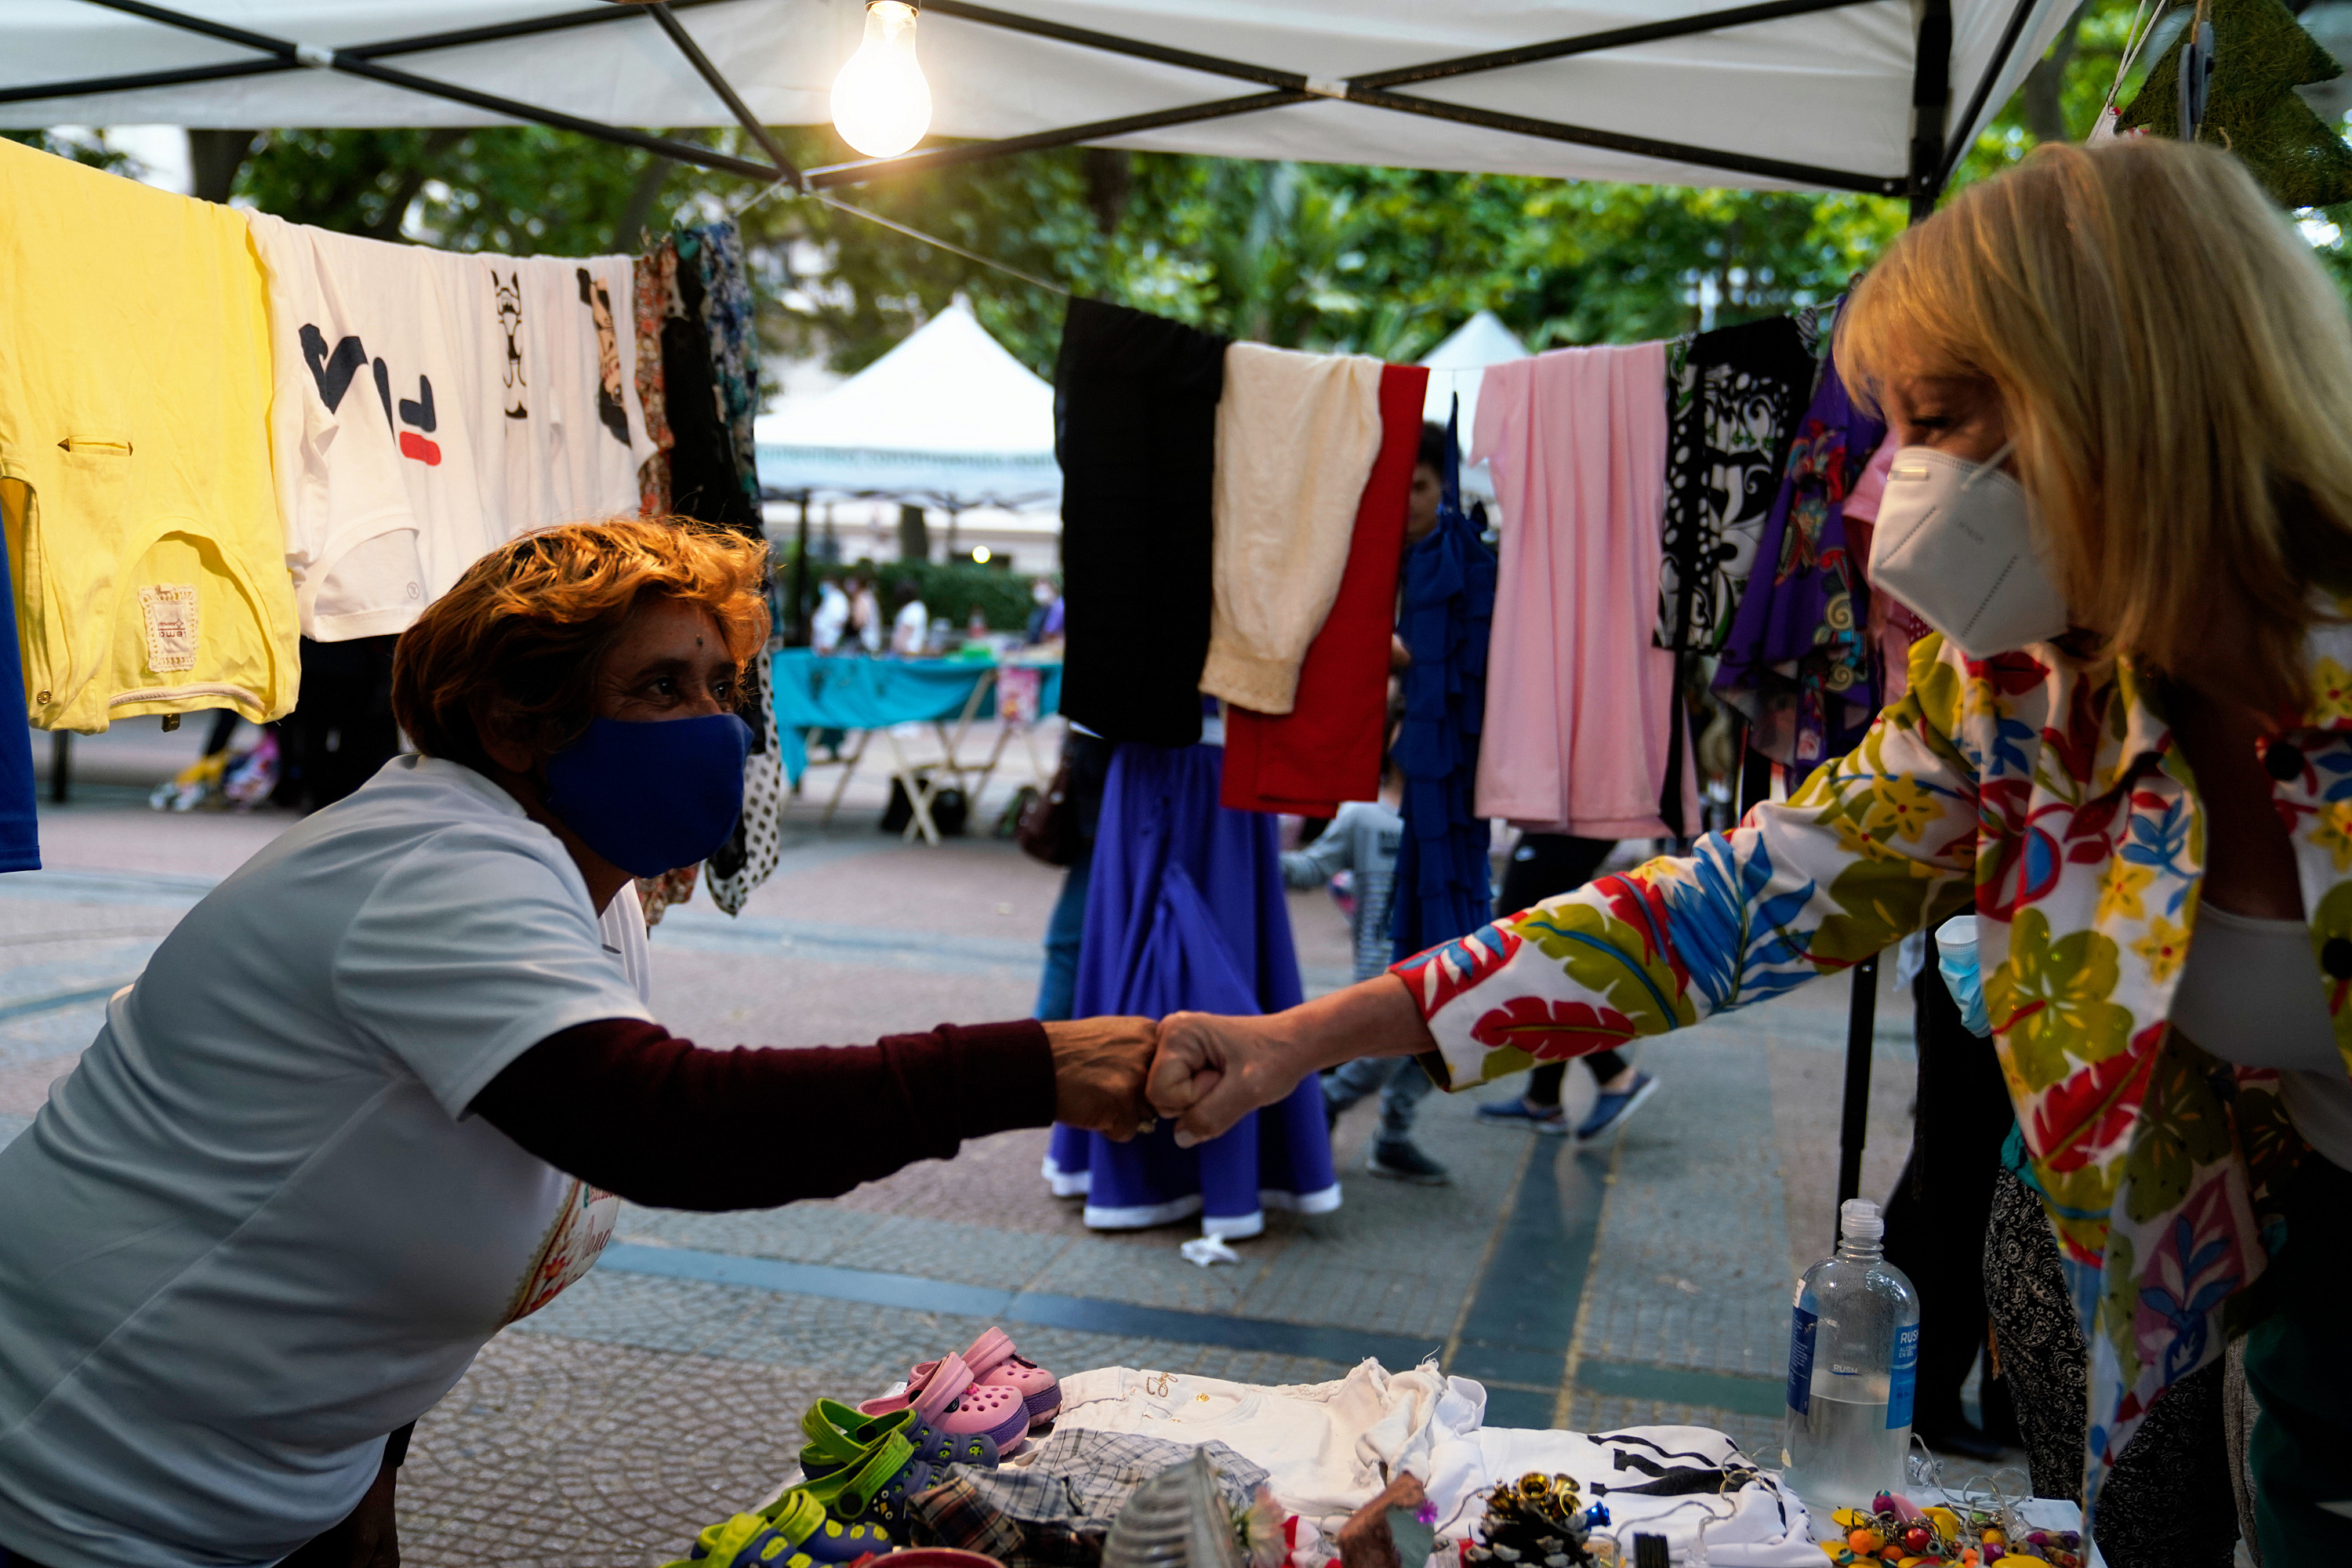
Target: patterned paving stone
(863, 1349)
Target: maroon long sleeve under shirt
(628, 1107)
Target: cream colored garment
(1296, 435)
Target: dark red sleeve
(630, 1108)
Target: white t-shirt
(912, 629)
(431, 407)
(254, 1230)
(831, 619)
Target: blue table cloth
(816, 691)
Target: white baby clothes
(1328, 1446)
(428, 408)
(585, 435)
(1296, 435)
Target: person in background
(1428, 484)
(1088, 757)
(864, 632)
(912, 629)
(1363, 841)
(832, 617)
(1544, 866)
(1045, 620)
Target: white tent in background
(947, 418)
(1455, 367)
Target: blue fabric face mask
(651, 797)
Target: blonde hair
(2176, 370)
(519, 642)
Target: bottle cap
(1859, 1220)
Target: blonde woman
(2151, 812)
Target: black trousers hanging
(1935, 1220)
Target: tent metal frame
(1931, 160)
(1934, 155)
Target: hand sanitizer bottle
(1853, 1365)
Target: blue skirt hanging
(1185, 910)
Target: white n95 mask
(1956, 540)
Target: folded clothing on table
(1328, 1446)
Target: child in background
(1363, 841)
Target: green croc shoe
(793, 1531)
(840, 1435)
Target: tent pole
(1931, 104)
(801, 579)
(1931, 100)
(735, 104)
(1853, 1118)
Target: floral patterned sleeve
(1875, 844)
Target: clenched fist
(1099, 1071)
(1212, 1071)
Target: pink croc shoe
(944, 1394)
(994, 1364)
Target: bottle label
(1801, 1360)
(1902, 1377)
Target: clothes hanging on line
(1186, 909)
(1328, 748)
(1735, 394)
(1134, 427)
(1443, 880)
(1580, 702)
(721, 299)
(429, 407)
(144, 541)
(1296, 433)
(653, 299)
(705, 470)
(1798, 663)
(721, 485)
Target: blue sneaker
(1517, 1112)
(1611, 1111)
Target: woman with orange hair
(373, 1098)
(2124, 390)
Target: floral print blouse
(2045, 790)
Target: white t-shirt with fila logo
(429, 406)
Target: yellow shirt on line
(143, 538)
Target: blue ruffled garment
(1186, 909)
(1443, 878)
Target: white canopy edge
(1829, 90)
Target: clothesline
(837, 204)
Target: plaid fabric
(1055, 1510)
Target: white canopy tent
(946, 418)
(1799, 93)
(1455, 367)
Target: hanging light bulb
(881, 104)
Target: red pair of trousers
(1328, 748)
